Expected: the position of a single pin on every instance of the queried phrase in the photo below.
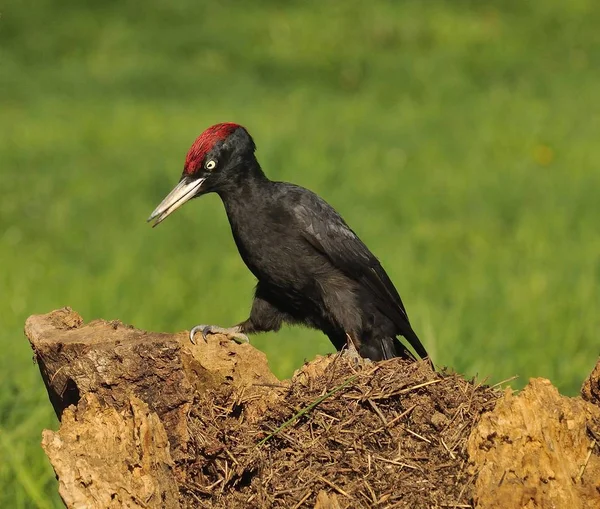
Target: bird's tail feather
(415, 342)
(393, 347)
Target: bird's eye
(210, 165)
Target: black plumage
(311, 268)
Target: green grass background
(459, 139)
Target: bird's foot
(232, 333)
(351, 353)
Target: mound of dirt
(149, 420)
(387, 434)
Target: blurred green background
(459, 139)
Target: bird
(311, 267)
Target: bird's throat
(245, 193)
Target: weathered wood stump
(150, 420)
(120, 392)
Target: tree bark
(119, 391)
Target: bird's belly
(306, 286)
(280, 266)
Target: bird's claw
(354, 357)
(350, 352)
(195, 330)
(232, 333)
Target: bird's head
(211, 164)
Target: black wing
(328, 233)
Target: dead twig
(515, 377)
(333, 486)
(303, 499)
(398, 463)
(420, 437)
(587, 459)
(378, 412)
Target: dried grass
(390, 434)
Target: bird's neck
(246, 190)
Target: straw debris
(389, 434)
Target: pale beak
(182, 192)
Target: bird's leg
(264, 317)
(234, 333)
(351, 352)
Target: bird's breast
(277, 255)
